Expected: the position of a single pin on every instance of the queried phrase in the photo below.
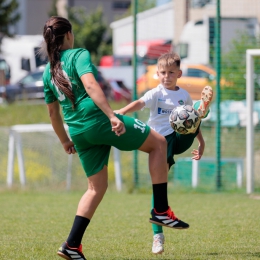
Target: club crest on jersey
(164, 111)
(181, 102)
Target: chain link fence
(47, 166)
(217, 34)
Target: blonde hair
(169, 59)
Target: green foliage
(8, 16)
(53, 11)
(234, 68)
(90, 31)
(142, 5)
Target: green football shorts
(177, 144)
(93, 146)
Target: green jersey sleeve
(84, 64)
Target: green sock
(156, 228)
(196, 106)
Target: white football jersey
(161, 102)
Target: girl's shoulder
(76, 52)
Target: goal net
(32, 157)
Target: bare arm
(57, 124)
(132, 107)
(96, 93)
(198, 153)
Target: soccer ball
(184, 119)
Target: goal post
(15, 145)
(250, 53)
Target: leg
(158, 237)
(138, 136)
(156, 146)
(158, 233)
(157, 149)
(97, 186)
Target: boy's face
(169, 75)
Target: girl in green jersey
(70, 83)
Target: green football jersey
(75, 63)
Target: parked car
(194, 78)
(31, 87)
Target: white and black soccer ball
(184, 119)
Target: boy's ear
(180, 73)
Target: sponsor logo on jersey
(164, 111)
(181, 102)
(161, 99)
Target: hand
(69, 147)
(117, 126)
(198, 153)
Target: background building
(153, 24)
(185, 11)
(34, 13)
(189, 24)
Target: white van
(20, 52)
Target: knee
(98, 189)
(160, 144)
(163, 141)
(102, 188)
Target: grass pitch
(222, 226)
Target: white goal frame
(15, 144)
(250, 53)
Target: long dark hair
(54, 32)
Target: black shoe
(71, 253)
(167, 219)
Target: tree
(142, 5)
(8, 16)
(90, 32)
(234, 68)
(53, 11)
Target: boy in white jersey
(161, 101)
